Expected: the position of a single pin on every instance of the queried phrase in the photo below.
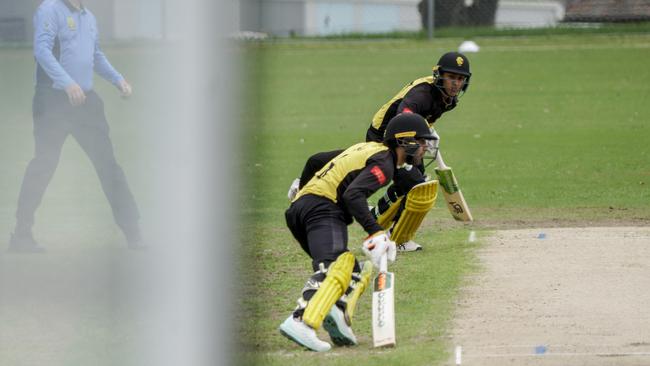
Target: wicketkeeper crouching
(318, 218)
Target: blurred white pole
(163, 19)
(430, 13)
(193, 253)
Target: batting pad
(339, 275)
(385, 220)
(419, 201)
(359, 287)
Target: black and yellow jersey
(351, 177)
(420, 96)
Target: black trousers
(54, 119)
(321, 228)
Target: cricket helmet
(452, 62)
(404, 130)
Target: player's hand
(432, 145)
(76, 95)
(125, 88)
(376, 245)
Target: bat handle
(383, 263)
(439, 161)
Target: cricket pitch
(561, 296)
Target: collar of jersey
(72, 7)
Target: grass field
(553, 132)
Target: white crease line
(558, 354)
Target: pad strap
(336, 282)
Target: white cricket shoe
(293, 189)
(339, 330)
(302, 334)
(409, 246)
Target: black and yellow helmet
(453, 62)
(405, 129)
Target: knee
(44, 162)
(110, 170)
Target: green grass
(552, 132)
(282, 269)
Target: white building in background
(529, 13)
(158, 19)
(327, 17)
(142, 19)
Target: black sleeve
(417, 100)
(377, 173)
(405, 180)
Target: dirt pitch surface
(561, 296)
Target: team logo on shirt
(71, 23)
(376, 171)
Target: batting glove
(432, 145)
(377, 244)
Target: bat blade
(455, 201)
(383, 307)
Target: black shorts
(320, 226)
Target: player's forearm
(104, 68)
(357, 205)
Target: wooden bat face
(455, 201)
(383, 310)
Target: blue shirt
(66, 47)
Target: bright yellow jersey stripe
(326, 181)
(381, 113)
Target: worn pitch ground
(561, 296)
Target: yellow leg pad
(419, 201)
(385, 220)
(359, 288)
(337, 281)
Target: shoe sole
(292, 338)
(337, 337)
(409, 251)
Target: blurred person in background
(67, 54)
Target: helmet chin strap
(446, 96)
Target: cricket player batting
(318, 218)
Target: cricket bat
(454, 197)
(383, 307)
